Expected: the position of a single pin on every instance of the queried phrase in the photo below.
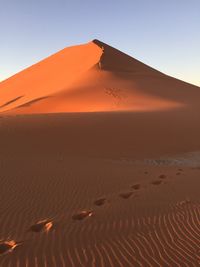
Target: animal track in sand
(178, 173)
(41, 226)
(82, 215)
(136, 186)
(162, 176)
(100, 201)
(8, 246)
(157, 182)
(126, 195)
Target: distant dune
(99, 164)
(93, 77)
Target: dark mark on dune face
(8, 246)
(32, 102)
(41, 226)
(11, 101)
(162, 176)
(157, 182)
(82, 215)
(136, 186)
(178, 173)
(100, 201)
(145, 172)
(126, 195)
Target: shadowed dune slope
(93, 77)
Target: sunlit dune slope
(93, 77)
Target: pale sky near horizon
(163, 34)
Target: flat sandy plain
(103, 169)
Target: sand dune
(93, 77)
(99, 164)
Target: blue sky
(162, 33)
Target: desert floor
(140, 192)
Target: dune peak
(98, 42)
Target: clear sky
(162, 33)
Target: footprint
(42, 226)
(100, 201)
(126, 195)
(178, 173)
(157, 182)
(180, 170)
(136, 186)
(162, 176)
(8, 246)
(145, 172)
(82, 215)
